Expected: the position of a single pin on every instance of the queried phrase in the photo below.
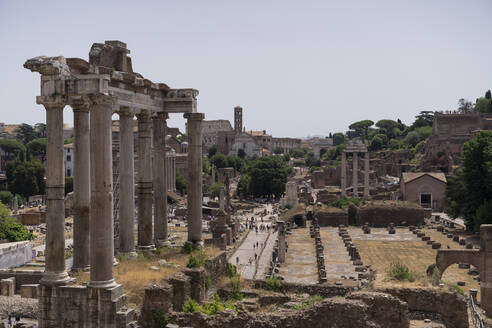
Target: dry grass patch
(135, 273)
(416, 255)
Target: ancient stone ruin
(96, 89)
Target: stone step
(125, 317)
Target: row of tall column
(355, 172)
(93, 185)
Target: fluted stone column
(81, 184)
(355, 180)
(101, 227)
(54, 273)
(145, 240)
(127, 184)
(195, 194)
(344, 174)
(160, 178)
(366, 175)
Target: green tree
(361, 128)
(37, 147)
(26, 133)
(412, 139)
(181, 184)
(25, 178)
(243, 187)
(278, 151)
(11, 230)
(235, 161)
(12, 148)
(219, 160)
(484, 105)
(424, 118)
(469, 193)
(465, 106)
(214, 190)
(389, 127)
(212, 151)
(6, 197)
(297, 152)
(311, 160)
(241, 153)
(338, 138)
(268, 176)
(376, 143)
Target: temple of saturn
(95, 90)
(355, 148)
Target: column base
(163, 243)
(148, 248)
(198, 243)
(55, 278)
(102, 284)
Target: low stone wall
(326, 219)
(32, 218)
(451, 306)
(311, 289)
(27, 277)
(217, 266)
(362, 310)
(15, 254)
(381, 215)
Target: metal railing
(476, 318)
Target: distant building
(68, 158)
(424, 188)
(263, 140)
(247, 143)
(211, 129)
(286, 143)
(319, 144)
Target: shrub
(208, 283)
(307, 303)
(343, 202)
(400, 272)
(236, 288)
(210, 308)
(190, 306)
(6, 197)
(230, 270)
(274, 284)
(14, 232)
(196, 260)
(436, 277)
(459, 290)
(160, 319)
(188, 248)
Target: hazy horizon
(296, 68)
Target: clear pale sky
(297, 68)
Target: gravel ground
(25, 307)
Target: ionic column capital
(126, 112)
(143, 115)
(53, 101)
(79, 103)
(160, 116)
(194, 116)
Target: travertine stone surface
(160, 179)
(355, 171)
(101, 228)
(127, 184)
(195, 183)
(366, 175)
(55, 273)
(82, 183)
(145, 240)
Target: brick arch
(447, 257)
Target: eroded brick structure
(479, 258)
